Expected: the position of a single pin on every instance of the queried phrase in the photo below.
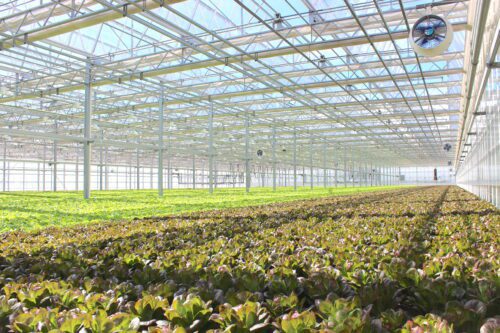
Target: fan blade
(418, 40)
(418, 34)
(441, 30)
(420, 28)
(438, 23)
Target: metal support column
(38, 176)
(4, 171)
(160, 144)
(345, 167)
(44, 156)
(54, 162)
(371, 173)
(274, 157)
(137, 167)
(101, 171)
(106, 170)
(351, 167)
(294, 160)
(194, 172)
(211, 149)
(77, 171)
(87, 131)
(336, 174)
(311, 171)
(325, 179)
(169, 161)
(248, 179)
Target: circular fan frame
(431, 35)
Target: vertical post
(87, 132)
(294, 159)
(216, 180)
(263, 172)
(77, 171)
(194, 172)
(151, 174)
(211, 149)
(311, 163)
(8, 176)
(137, 171)
(38, 176)
(274, 156)
(101, 175)
(345, 167)
(304, 177)
(54, 164)
(106, 169)
(351, 167)
(169, 161)
(367, 174)
(44, 164)
(4, 171)
(359, 175)
(372, 174)
(336, 174)
(24, 176)
(247, 153)
(64, 176)
(325, 179)
(160, 144)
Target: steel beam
(248, 179)
(274, 156)
(87, 131)
(211, 149)
(160, 142)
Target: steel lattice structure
(224, 78)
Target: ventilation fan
(431, 35)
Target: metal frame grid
(327, 85)
(478, 149)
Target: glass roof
(339, 73)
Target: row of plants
(392, 261)
(38, 210)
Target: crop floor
(413, 260)
(35, 210)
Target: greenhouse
(249, 166)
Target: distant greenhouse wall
(480, 169)
(425, 175)
(64, 175)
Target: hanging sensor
(278, 22)
(322, 61)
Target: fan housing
(431, 35)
